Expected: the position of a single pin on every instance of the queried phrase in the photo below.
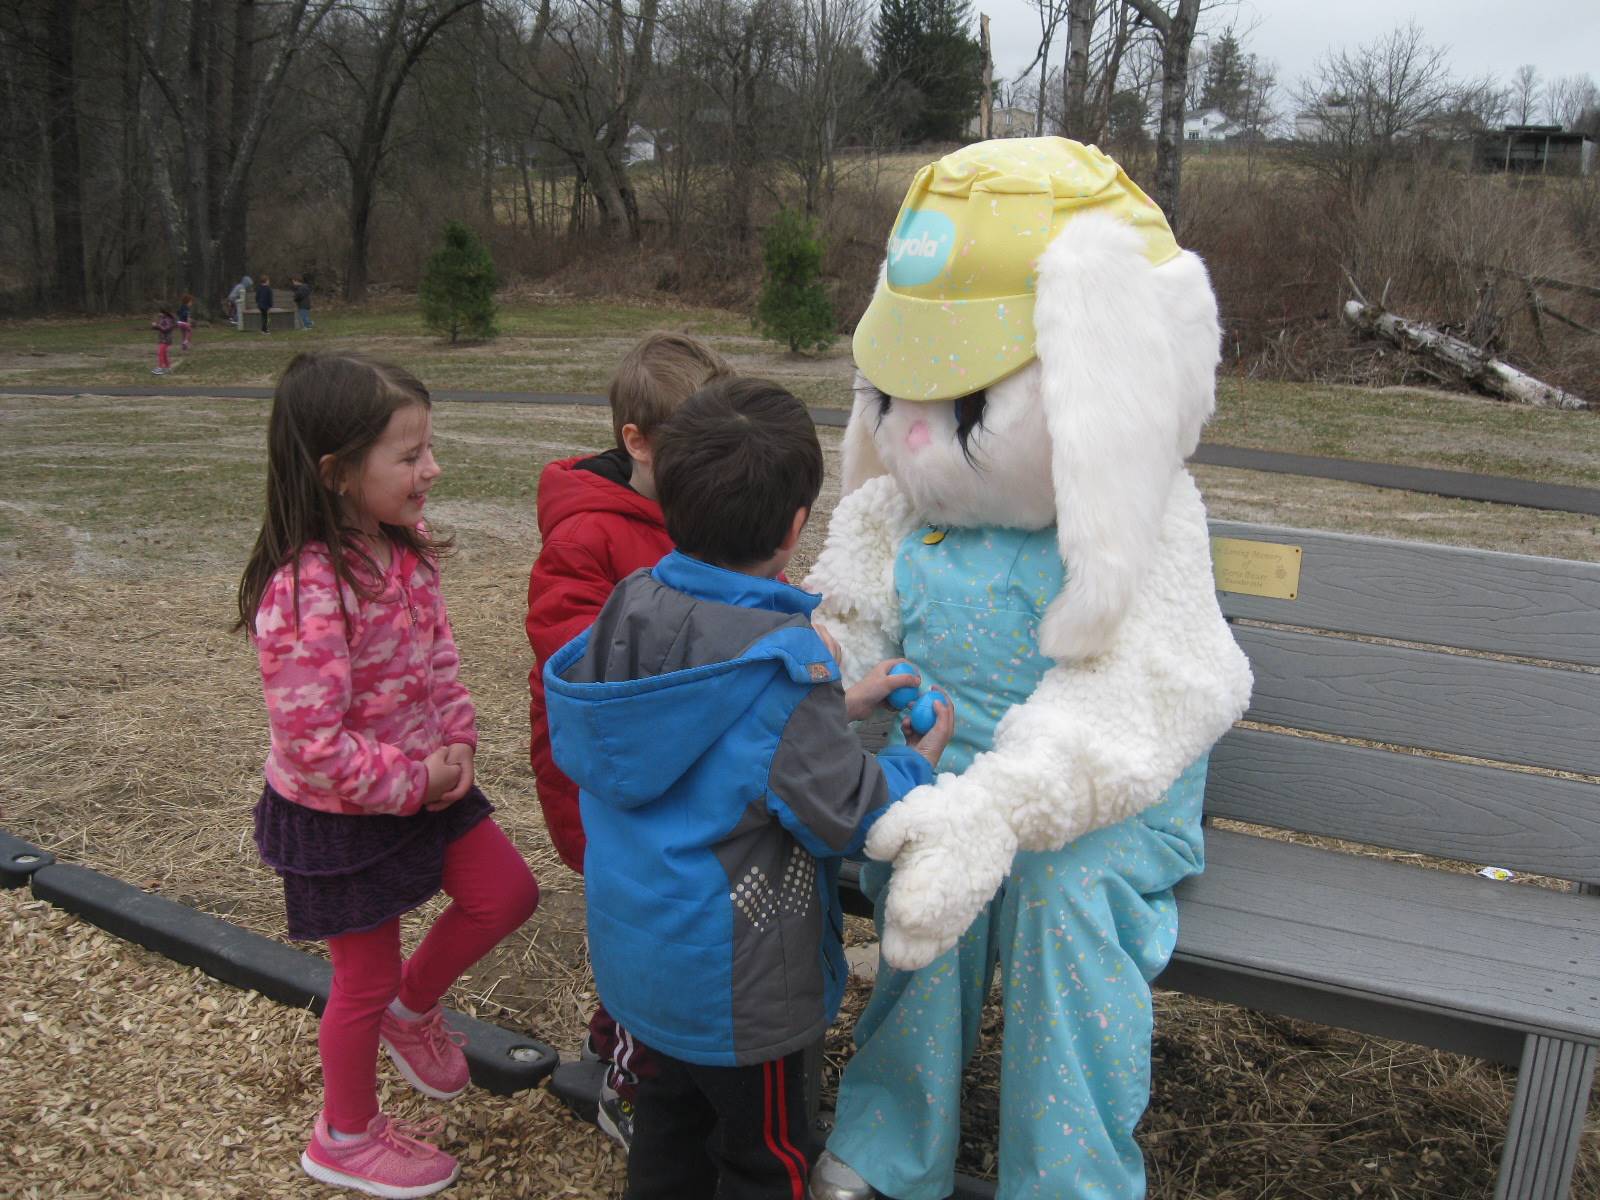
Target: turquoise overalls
(1077, 933)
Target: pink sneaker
(428, 1053)
(390, 1160)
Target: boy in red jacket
(599, 522)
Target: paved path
(1457, 485)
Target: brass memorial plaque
(1256, 568)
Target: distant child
(163, 324)
(234, 304)
(264, 301)
(302, 303)
(186, 316)
(600, 522)
(370, 806)
(703, 718)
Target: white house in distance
(1209, 125)
(640, 146)
(1323, 121)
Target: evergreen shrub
(794, 306)
(457, 289)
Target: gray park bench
(1443, 703)
(247, 317)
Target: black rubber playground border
(1454, 485)
(501, 1061)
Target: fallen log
(1473, 365)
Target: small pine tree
(457, 291)
(794, 306)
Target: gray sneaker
(833, 1179)
(615, 1117)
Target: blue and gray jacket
(703, 720)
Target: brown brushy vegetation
(1431, 242)
(1284, 244)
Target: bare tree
(182, 101)
(1524, 93)
(1566, 98)
(1257, 112)
(1051, 13)
(1080, 32)
(1099, 35)
(372, 51)
(1473, 106)
(1122, 33)
(589, 61)
(1175, 30)
(737, 49)
(66, 170)
(829, 81)
(1366, 105)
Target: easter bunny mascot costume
(1034, 367)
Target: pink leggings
(493, 892)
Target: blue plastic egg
(901, 697)
(923, 714)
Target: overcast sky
(1560, 37)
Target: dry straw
(131, 738)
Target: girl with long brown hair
(370, 807)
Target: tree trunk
(218, 152)
(1176, 30)
(527, 195)
(1044, 80)
(480, 93)
(1462, 358)
(986, 96)
(66, 170)
(1174, 87)
(401, 45)
(154, 102)
(195, 122)
(362, 187)
(234, 248)
(1099, 116)
(1080, 29)
(626, 200)
(580, 191)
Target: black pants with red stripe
(729, 1133)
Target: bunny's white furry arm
(1098, 741)
(855, 574)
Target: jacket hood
(675, 661)
(566, 490)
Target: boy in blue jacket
(703, 720)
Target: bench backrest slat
(1442, 595)
(1455, 690)
(1477, 707)
(1464, 811)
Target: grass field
(131, 737)
(566, 346)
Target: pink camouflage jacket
(356, 707)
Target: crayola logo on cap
(920, 250)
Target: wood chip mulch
(127, 1075)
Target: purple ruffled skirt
(347, 873)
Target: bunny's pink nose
(918, 436)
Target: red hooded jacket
(596, 531)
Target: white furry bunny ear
(1128, 355)
(861, 461)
